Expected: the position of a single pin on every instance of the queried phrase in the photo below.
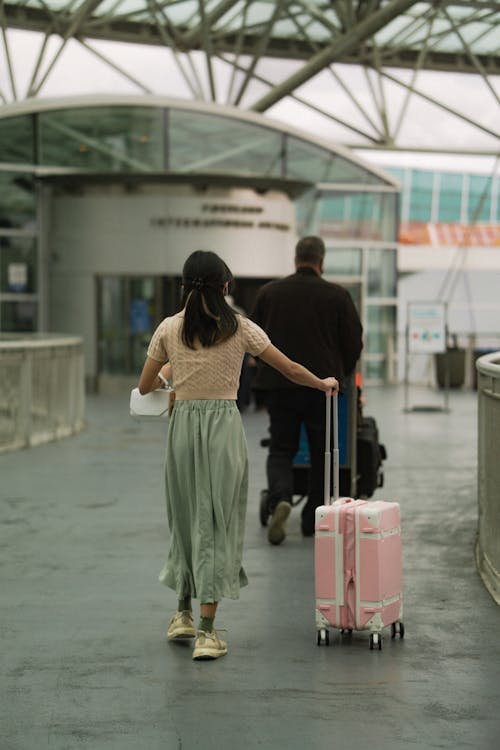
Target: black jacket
(312, 321)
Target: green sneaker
(208, 645)
(277, 533)
(181, 626)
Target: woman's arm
(295, 372)
(149, 380)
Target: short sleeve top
(206, 372)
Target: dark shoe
(276, 533)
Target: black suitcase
(370, 454)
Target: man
(316, 323)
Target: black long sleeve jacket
(312, 321)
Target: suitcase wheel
(264, 507)
(397, 627)
(323, 637)
(344, 631)
(375, 641)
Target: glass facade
(103, 139)
(18, 264)
(17, 200)
(17, 140)
(448, 197)
(360, 215)
(204, 143)
(307, 161)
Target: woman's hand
(149, 380)
(166, 371)
(330, 385)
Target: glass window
(343, 261)
(112, 139)
(382, 272)
(380, 324)
(370, 216)
(18, 317)
(127, 316)
(207, 143)
(16, 140)
(306, 161)
(450, 198)
(17, 200)
(18, 267)
(421, 195)
(375, 370)
(479, 208)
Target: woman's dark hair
(207, 316)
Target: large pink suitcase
(358, 561)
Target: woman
(202, 349)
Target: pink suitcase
(358, 561)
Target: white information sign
(426, 327)
(17, 277)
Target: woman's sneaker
(181, 626)
(208, 645)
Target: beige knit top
(206, 372)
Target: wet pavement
(85, 662)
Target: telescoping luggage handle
(331, 406)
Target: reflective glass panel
(110, 139)
(306, 161)
(380, 324)
(358, 215)
(128, 312)
(450, 197)
(382, 272)
(479, 204)
(18, 317)
(17, 200)
(210, 144)
(343, 261)
(375, 370)
(421, 195)
(18, 268)
(16, 140)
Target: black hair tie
(198, 283)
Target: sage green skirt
(206, 481)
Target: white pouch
(154, 405)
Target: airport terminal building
(102, 199)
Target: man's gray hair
(310, 250)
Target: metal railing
(41, 389)
(488, 540)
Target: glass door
(129, 309)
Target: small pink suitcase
(358, 561)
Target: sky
(80, 71)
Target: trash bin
(475, 356)
(454, 358)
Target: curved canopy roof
(151, 136)
(387, 38)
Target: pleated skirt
(206, 483)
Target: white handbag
(150, 405)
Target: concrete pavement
(84, 659)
